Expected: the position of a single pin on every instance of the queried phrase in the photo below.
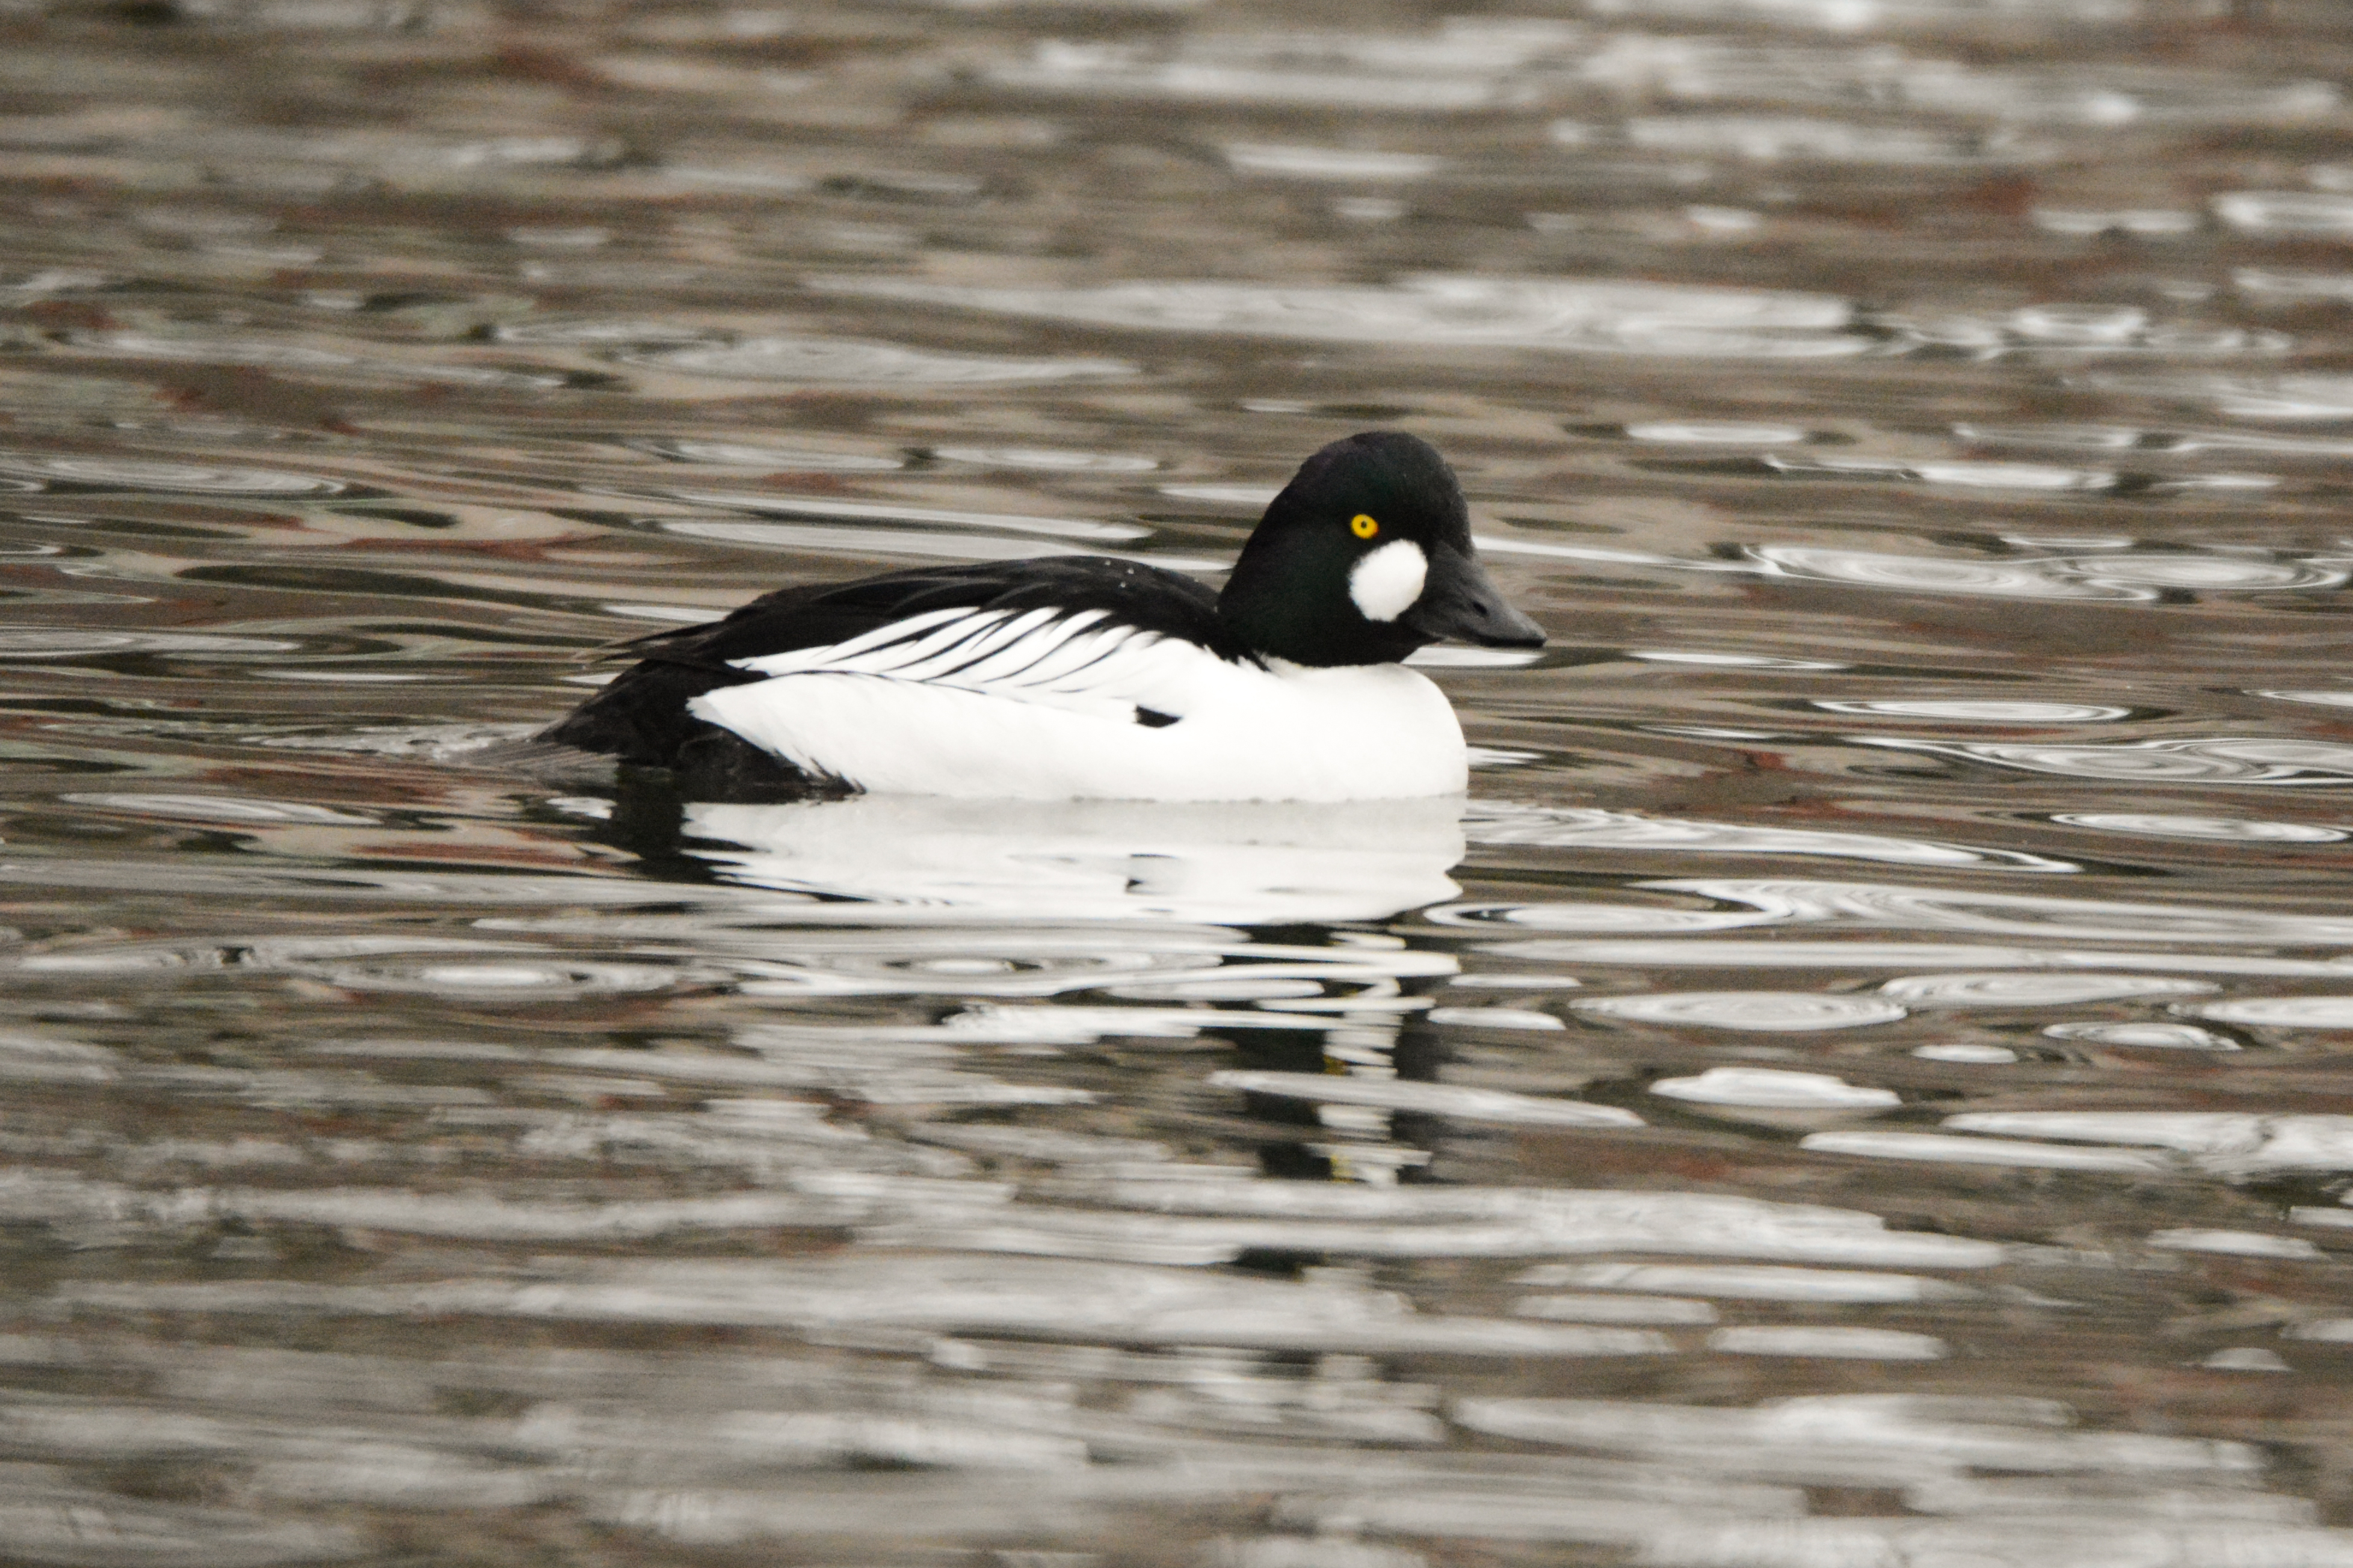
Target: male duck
(1082, 676)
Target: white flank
(1037, 706)
(1385, 583)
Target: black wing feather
(641, 717)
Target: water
(1856, 1084)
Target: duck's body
(1091, 678)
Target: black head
(1364, 557)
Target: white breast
(1041, 706)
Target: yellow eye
(1363, 527)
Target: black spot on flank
(1152, 719)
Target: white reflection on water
(1232, 864)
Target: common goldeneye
(1082, 677)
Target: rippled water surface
(1857, 1084)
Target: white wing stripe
(1033, 658)
(979, 650)
(982, 646)
(925, 658)
(1088, 655)
(917, 639)
(864, 642)
(1087, 662)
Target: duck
(1078, 678)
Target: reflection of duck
(1090, 677)
(947, 860)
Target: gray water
(1859, 1083)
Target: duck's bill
(1462, 604)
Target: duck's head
(1364, 557)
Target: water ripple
(67, 1524)
(146, 474)
(63, 642)
(2303, 396)
(501, 979)
(2230, 760)
(1748, 1282)
(2286, 214)
(895, 511)
(817, 539)
(1501, 823)
(1839, 1342)
(1775, 1089)
(1627, 316)
(327, 365)
(1430, 1099)
(2011, 1153)
(2015, 712)
(2232, 829)
(2010, 914)
(2144, 1037)
(2283, 1012)
(849, 361)
(2224, 1144)
(2010, 989)
(1779, 1011)
(763, 455)
(219, 809)
(2141, 577)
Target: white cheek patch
(1385, 583)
